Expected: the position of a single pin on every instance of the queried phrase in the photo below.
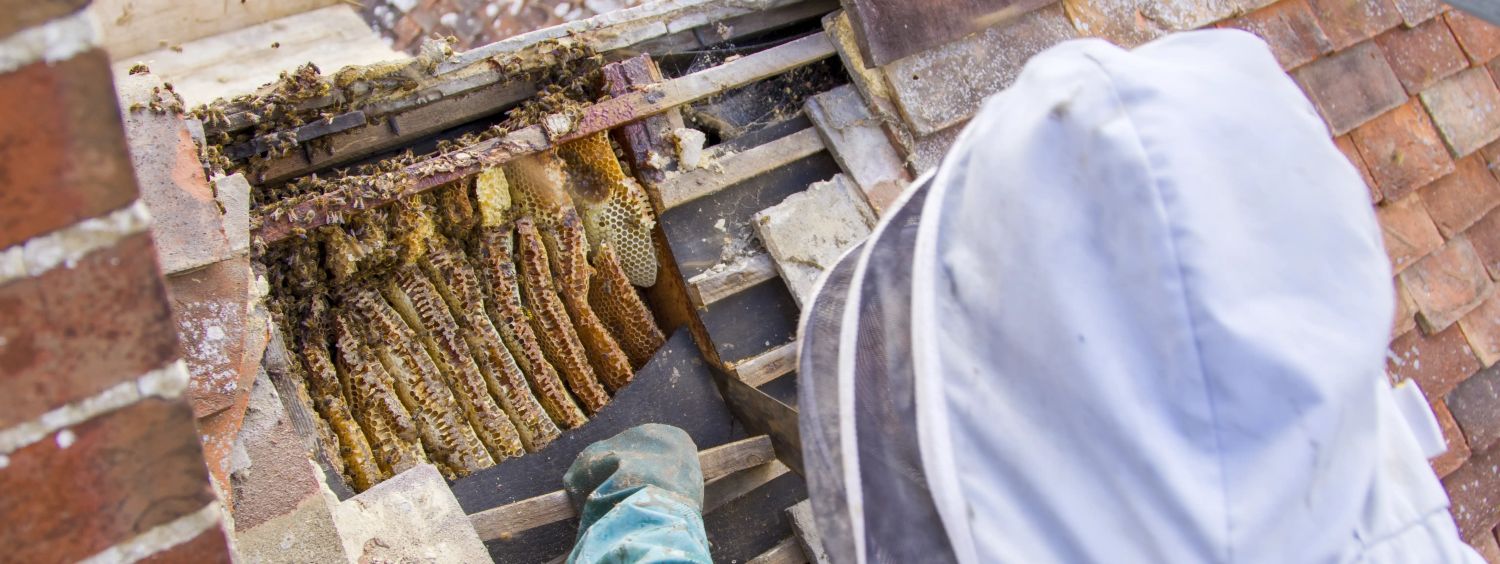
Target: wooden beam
(729, 488)
(766, 366)
(716, 462)
(441, 169)
(723, 281)
(785, 552)
(858, 143)
(805, 530)
(715, 175)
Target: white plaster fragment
(56, 40)
(162, 537)
(404, 5)
(689, 143)
(12, 263)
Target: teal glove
(639, 497)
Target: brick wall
(98, 453)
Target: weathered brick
(1121, 22)
(1351, 87)
(1458, 200)
(1487, 546)
(1423, 54)
(1478, 38)
(188, 223)
(1447, 284)
(1350, 21)
(1482, 328)
(1437, 362)
(88, 487)
(1474, 494)
(62, 156)
(208, 547)
(1351, 153)
(1475, 404)
(1485, 235)
(1406, 312)
(21, 14)
(72, 332)
(1414, 12)
(1408, 232)
(210, 306)
(1458, 448)
(1402, 150)
(1466, 110)
(1290, 28)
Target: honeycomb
(464, 326)
(613, 206)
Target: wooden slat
(716, 175)
(132, 27)
(785, 552)
(552, 507)
(805, 530)
(467, 161)
(767, 366)
(721, 282)
(729, 488)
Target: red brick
(1402, 150)
(1487, 547)
(1447, 284)
(1408, 232)
(1346, 146)
(124, 473)
(1474, 494)
(1482, 328)
(1291, 30)
(21, 14)
(1351, 87)
(1437, 362)
(1458, 448)
(1350, 21)
(1423, 54)
(1479, 39)
(72, 332)
(1406, 312)
(210, 306)
(1485, 235)
(62, 155)
(1465, 109)
(208, 547)
(1414, 12)
(1475, 404)
(1458, 200)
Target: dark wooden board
(751, 322)
(891, 29)
(755, 522)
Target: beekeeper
(1138, 314)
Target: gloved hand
(639, 497)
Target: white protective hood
(1149, 310)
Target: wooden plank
(717, 462)
(806, 529)
(441, 169)
(856, 140)
(724, 281)
(785, 552)
(720, 173)
(731, 487)
(239, 61)
(766, 366)
(892, 29)
(132, 27)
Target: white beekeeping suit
(1138, 314)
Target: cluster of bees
(473, 323)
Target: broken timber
(716, 463)
(714, 285)
(470, 160)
